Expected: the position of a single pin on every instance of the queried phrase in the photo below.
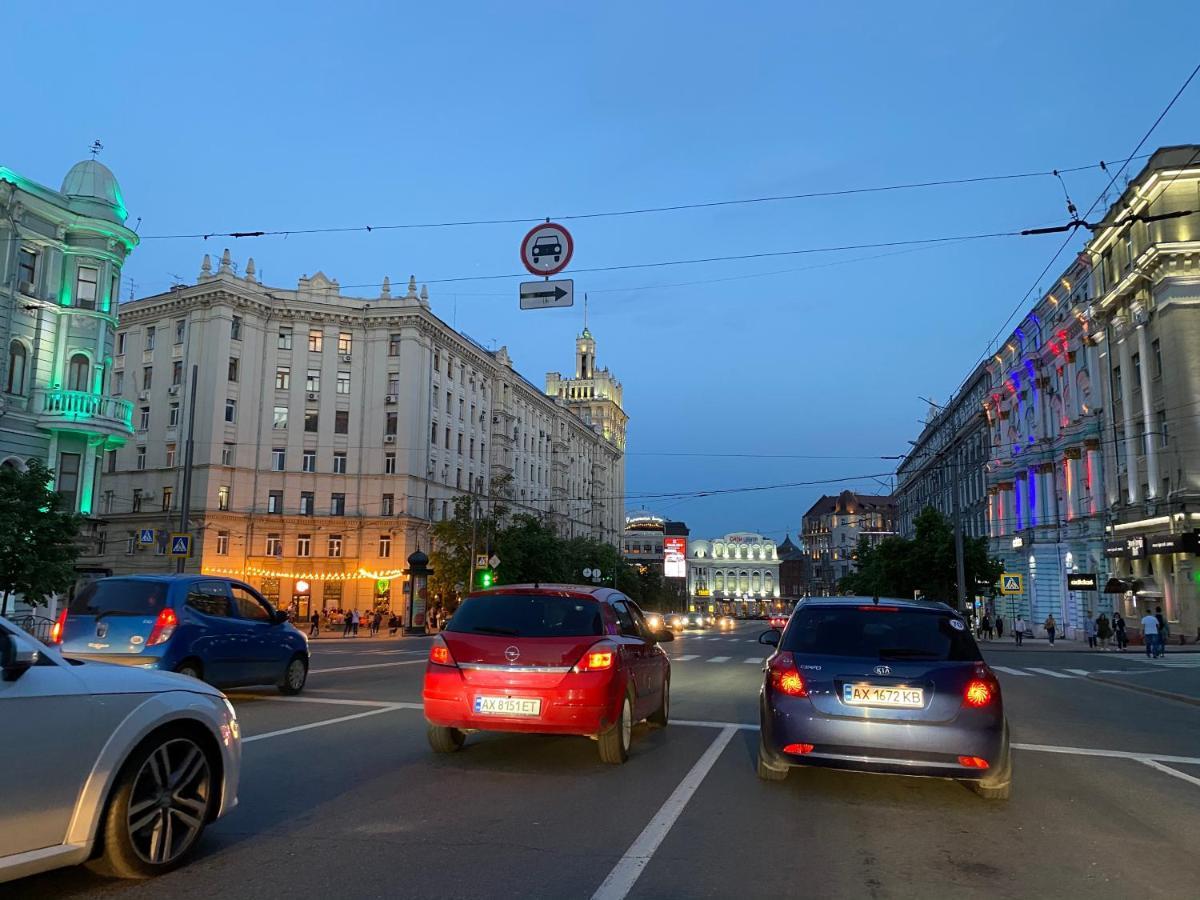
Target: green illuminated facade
(61, 254)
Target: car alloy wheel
(169, 802)
(295, 675)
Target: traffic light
(486, 578)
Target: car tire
(614, 741)
(294, 677)
(445, 740)
(661, 716)
(766, 771)
(134, 816)
(191, 668)
(999, 785)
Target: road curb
(1143, 689)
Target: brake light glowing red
(785, 677)
(798, 749)
(439, 653)
(978, 693)
(873, 608)
(972, 762)
(56, 630)
(596, 661)
(164, 627)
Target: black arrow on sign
(558, 293)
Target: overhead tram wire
(638, 211)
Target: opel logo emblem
(883, 670)
(102, 630)
(512, 654)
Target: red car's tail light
(597, 659)
(164, 627)
(972, 762)
(439, 653)
(785, 677)
(798, 749)
(56, 630)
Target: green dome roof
(95, 190)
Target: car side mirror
(279, 616)
(15, 657)
(664, 635)
(770, 638)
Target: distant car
(216, 629)
(558, 659)
(120, 767)
(890, 686)
(676, 621)
(695, 620)
(725, 622)
(778, 620)
(547, 245)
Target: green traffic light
(485, 579)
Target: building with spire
(330, 433)
(60, 276)
(593, 394)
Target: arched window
(719, 581)
(744, 582)
(77, 373)
(16, 368)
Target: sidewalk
(1062, 645)
(336, 634)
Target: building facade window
(339, 463)
(66, 478)
(385, 546)
(285, 339)
(223, 498)
(345, 342)
(137, 500)
(283, 378)
(343, 382)
(170, 456)
(77, 373)
(1157, 348)
(335, 545)
(227, 454)
(87, 278)
(309, 461)
(17, 359)
(167, 495)
(27, 270)
(387, 505)
(144, 418)
(278, 459)
(150, 334)
(393, 345)
(393, 383)
(341, 421)
(180, 329)
(280, 418)
(222, 543)
(177, 372)
(307, 502)
(173, 415)
(147, 377)
(337, 504)
(389, 464)
(230, 411)
(139, 459)
(316, 340)
(121, 343)
(233, 369)
(312, 381)
(235, 328)
(304, 545)
(312, 421)
(274, 545)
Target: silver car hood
(108, 678)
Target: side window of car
(640, 619)
(210, 598)
(625, 619)
(249, 606)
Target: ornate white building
(739, 571)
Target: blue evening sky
(220, 117)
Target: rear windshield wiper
(488, 629)
(905, 653)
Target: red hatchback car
(548, 659)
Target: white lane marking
(1049, 672)
(1083, 672)
(685, 657)
(718, 659)
(328, 701)
(1009, 671)
(625, 873)
(697, 723)
(321, 724)
(754, 659)
(1155, 764)
(402, 662)
(1111, 754)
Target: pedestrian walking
(999, 628)
(1164, 630)
(1089, 632)
(1051, 627)
(315, 628)
(986, 627)
(1103, 630)
(1118, 622)
(393, 623)
(376, 622)
(348, 619)
(1019, 630)
(1150, 634)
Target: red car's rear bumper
(584, 703)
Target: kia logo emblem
(883, 670)
(512, 654)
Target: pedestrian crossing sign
(181, 545)
(146, 536)
(1011, 584)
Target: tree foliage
(898, 567)
(37, 536)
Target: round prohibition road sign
(547, 249)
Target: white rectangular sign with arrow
(541, 294)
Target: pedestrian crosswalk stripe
(719, 659)
(686, 658)
(1052, 674)
(1083, 672)
(1009, 671)
(1176, 661)
(754, 659)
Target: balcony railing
(89, 412)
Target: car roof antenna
(875, 599)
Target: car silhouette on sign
(546, 245)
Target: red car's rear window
(528, 615)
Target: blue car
(216, 629)
(886, 686)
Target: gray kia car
(887, 686)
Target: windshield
(879, 633)
(518, 615)
(120, 597)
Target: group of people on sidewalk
(1099, 631)
(350, 619)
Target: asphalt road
(341, 797)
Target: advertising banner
(675, 556)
